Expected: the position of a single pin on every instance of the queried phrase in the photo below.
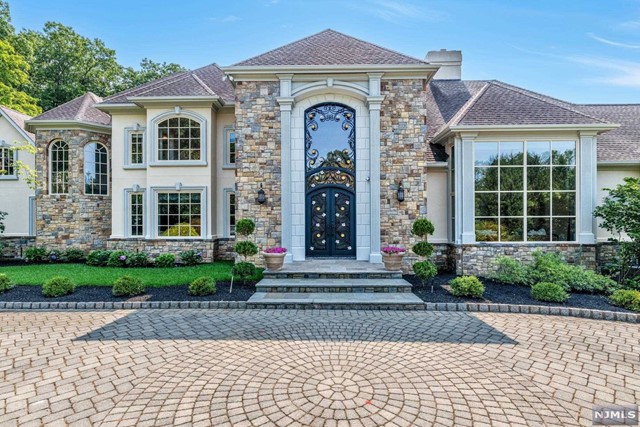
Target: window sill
(8, 177)
(229, 167)
(177, 163)
(134, 167)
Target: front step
(334, 286)
(332, 275)
(350, 300)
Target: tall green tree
(6, 28)
(149, 71)
(14, 75)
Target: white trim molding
(226, 150)
(127, 212)
(128, 131)
(153, 211)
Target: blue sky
(578, 50)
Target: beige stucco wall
(225, 177)
(437, 200)
(609, 177)
(15, 193)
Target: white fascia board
(67, 124)
(614, 163)
(390, 71)
(599, 127)
(123, 106)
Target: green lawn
(104, 276)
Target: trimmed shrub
(423, 249)
(425, 270)
(191, 257)
(36, 254)
(202, 286)
(244, 270)
(73, 255)
(119, 259)
(467, 286)
(633, 283)
(626, 298)
(5, 283)
(58, 286)
(246, 248)
(245, 227)
(127, 286)
(138, 259)
(166, 260)
(422, 227)
(549, 292)
(98, 258)
(510, 271)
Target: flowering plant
(393, 250)
(276, 250)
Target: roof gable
(329, 47)
(621, 144)
(80, 109)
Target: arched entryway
(330, 180)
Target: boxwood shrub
(58, 286)
(165, 260)
(119, 259)
(138, 259)
(467, 286)
(626, 298)
(127, 286)
(73, 255)
(191, 257)
(202, 286)
(549, 292)
(98, 258)
(510, 271)
(36, 254)
(550, 267)
(5, 283)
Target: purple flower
(199, 254)
(276, 250)
(53, 257)
(393, 250)
(123, 258)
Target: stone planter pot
(392, 262)
(274, 261)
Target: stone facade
(258, 160)
(155, 247)
(402, 158)
(14, 247)
(73, 219)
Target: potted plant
(274, 257)
(392, 257)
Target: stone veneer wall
(14, 246)
(258, 160)
(73, 219)
(155, 247)
(402, 158)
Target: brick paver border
(428, 306)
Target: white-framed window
(229, 147)
(8, 170)
(179, 139)
(525, 191)
(96, 169)
(136, 148)
(59, 167)
(136, 214)
(230, 210)
(179, 213)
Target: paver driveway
(316, 368)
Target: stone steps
(328, 300)
(332, 275)
(332, 285)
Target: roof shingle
(80, 109)
(621, 144)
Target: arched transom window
(96, 169)
(59, 167)
(179, 139)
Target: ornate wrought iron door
(330, 168)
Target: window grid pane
(534, 201)
(136, 144)
(6, 162)
(59, 167)
(231, 147)
(179, 139)
(136, 212)
(232, 214)
(179, 214)
(96, 169)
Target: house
(17, 195)
(334, 146)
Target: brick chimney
(450, 62)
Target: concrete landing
(333, 285)
(332, 269)
(402, 299)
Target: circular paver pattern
(311, 368)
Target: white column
(374, 102)
(465, 184)
(587, 170)
(286, 104)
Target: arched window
(179, 139)
(96, 169)
(59, 167)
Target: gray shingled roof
(330, 47)
(79, 109)
(205, 81)
(622, 144)
(18, 119)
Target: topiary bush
(423, 249)
(5, 283)
(98, 258)
(191, 257)
(549, 292)
(127, 286)
(245, 227)
(119, 259)
(36, 254)
(422, 227)
(58, 286)
(425, 270)
(73, 255)
(510, 271)
(626, 298)
(138, 259)
(246, 248)
(202, 286)
(165, 260)
(467, 286)
(244, 270)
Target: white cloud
(227, 19)
(620, 73)
(630, 25)
(613, 43)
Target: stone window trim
(108, 173)
(229, 225)
(152, 223)
(229, 159)
(58, 171)
(153, 160)
(577, 191)
(128, 192)
(8, 156)
(128, 133)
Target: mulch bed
(241, 292)
(497, 293)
